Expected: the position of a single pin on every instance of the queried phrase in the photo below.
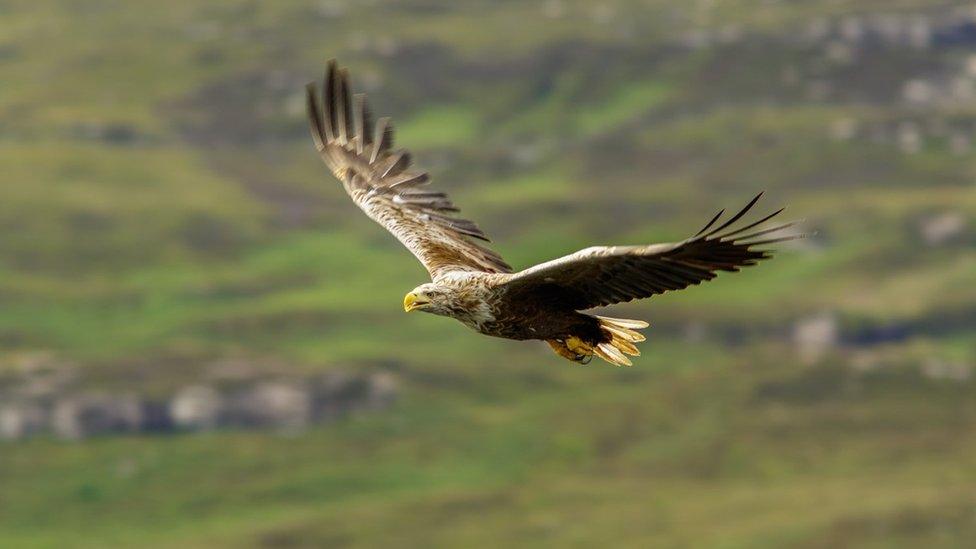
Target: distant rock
(946, 370)
(382, 391)
(918, 91)
(840, 53)
(942, 228)
(281, 405)
(909, 138)
(88, 415)
(197, 407)
(852, 29)
(970, 65)
(156, 418)
(843, 129)
(20, 420)
(237, 394)
(919, 33)
(336, 393)
(816, 335)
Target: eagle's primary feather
(473, 284)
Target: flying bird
(473, 284)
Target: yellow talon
(578, 346)
(573, 349)
(574, 344)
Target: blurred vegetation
(162, 206)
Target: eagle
(473, 284)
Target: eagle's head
(429, 298)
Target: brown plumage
(473, 284)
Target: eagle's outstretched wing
(379, 179)
(603, 275)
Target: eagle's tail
(623, 337)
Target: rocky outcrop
(816, 335)
(21, 419)
(82, 416)
(276, 404)
(47, 400)
(197, 408)
(943, 228)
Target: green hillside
(162, 207)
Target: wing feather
(380, 181)
(603, 275)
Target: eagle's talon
(561, 349)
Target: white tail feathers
(623, 322)
(622, 339)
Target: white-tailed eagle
(473, 284)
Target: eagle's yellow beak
(413, 301)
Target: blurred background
(203, 342)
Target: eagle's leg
(579, 346)
(573, 348)
(560, 349)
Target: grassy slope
(704, 454)
(158, 246)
